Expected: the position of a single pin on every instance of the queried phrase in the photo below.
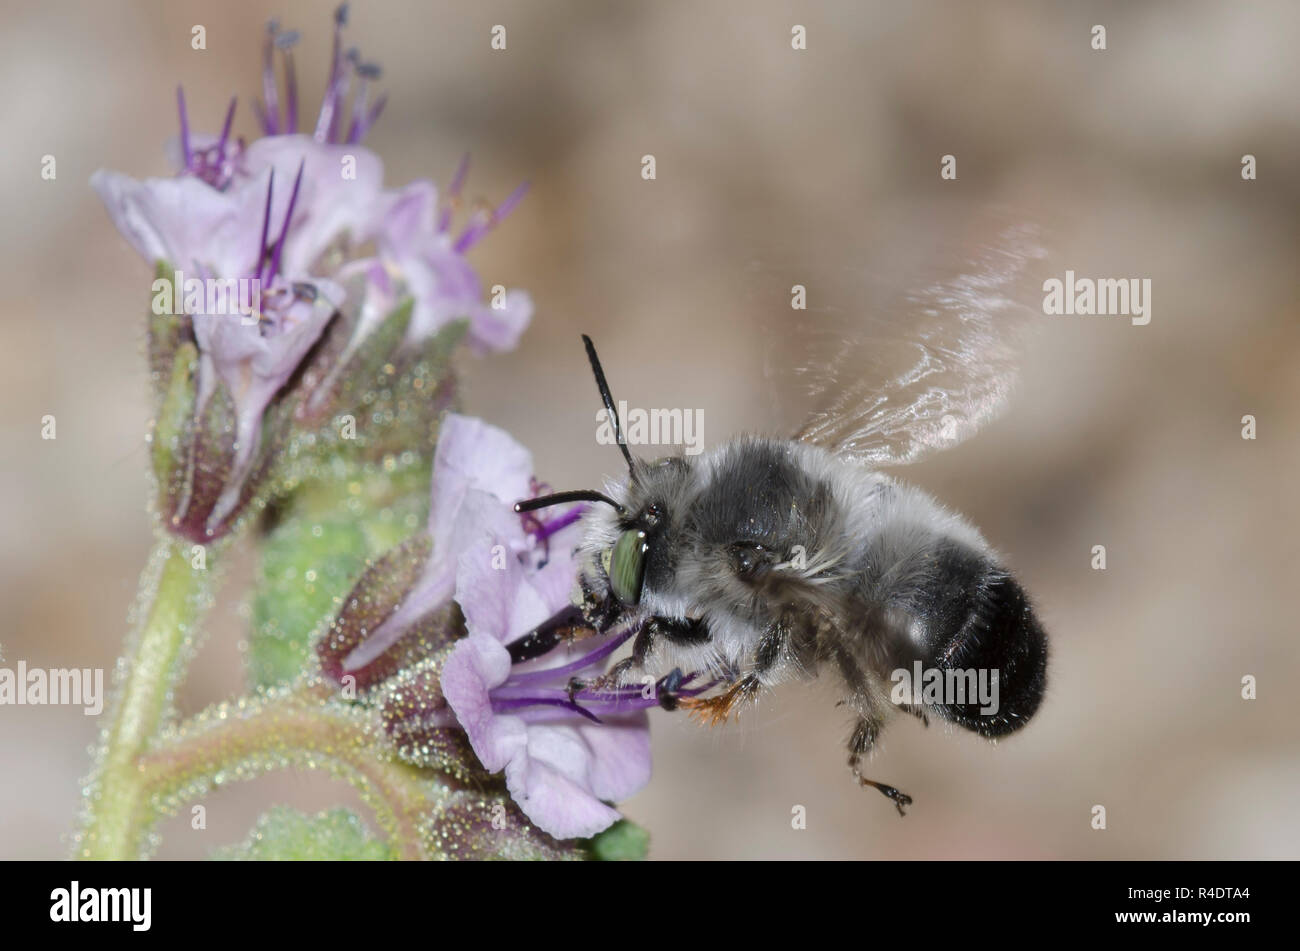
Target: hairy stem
(246, 738)
(174, 596)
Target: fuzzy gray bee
(762, 560)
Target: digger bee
(761, 559)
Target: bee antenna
(559, 498)
(607, 397)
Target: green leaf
(622, 842)
(286, 835)
(315, 553)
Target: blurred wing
(930, 370)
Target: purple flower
(248, 349)
(415, 241)
(518, 685)
(254, 362)
(223, 219)
(416, 251)
(563, 758)
(479, 472)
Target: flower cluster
(459, 649)
(305, 219)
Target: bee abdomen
(1002, 634)
(976, 622)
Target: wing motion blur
(925, 372)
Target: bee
(765, 559)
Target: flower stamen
(186, 154)
(483, 221)
(284, 228)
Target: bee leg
(683, 630)
(666, 690)
(645, 639)
(565, 626)
(901, 799)
(715, 710)
(919, 713)
(600, 612)
(606, 681)
(864, 737)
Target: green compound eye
(627, 566)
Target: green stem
(173, 598)
(246, 738)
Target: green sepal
(624, 841)
(395, 395)
(167, 330)
(175, 412)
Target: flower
(479, 472)
(245, 355)
(522, 686)
(416, 251)
(328, 260)
(415, 241)
(562, 759)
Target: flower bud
(488, 825)
(382, 589)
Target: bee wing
(930, 367)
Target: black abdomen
(970, 620)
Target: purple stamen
(261, 116)
(291, 91)
(329, 102)
(285, 43)
(266, 226)
(358, 105)
(604, 695)
(549, 674)
(590, 710)
(185, 128)
(284, 228)
(275, 121)
(366, 72)
(507, 206)
(453, 193)
(483, 223)
(545, 702)
(342, 88)
(211, 163)
(547, 529)
(270, 95)
(542, 531)
(372, 116)
(225, 130)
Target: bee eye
(627, 566)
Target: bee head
(622, 540)
(626, 551)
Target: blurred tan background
(1120, 435)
